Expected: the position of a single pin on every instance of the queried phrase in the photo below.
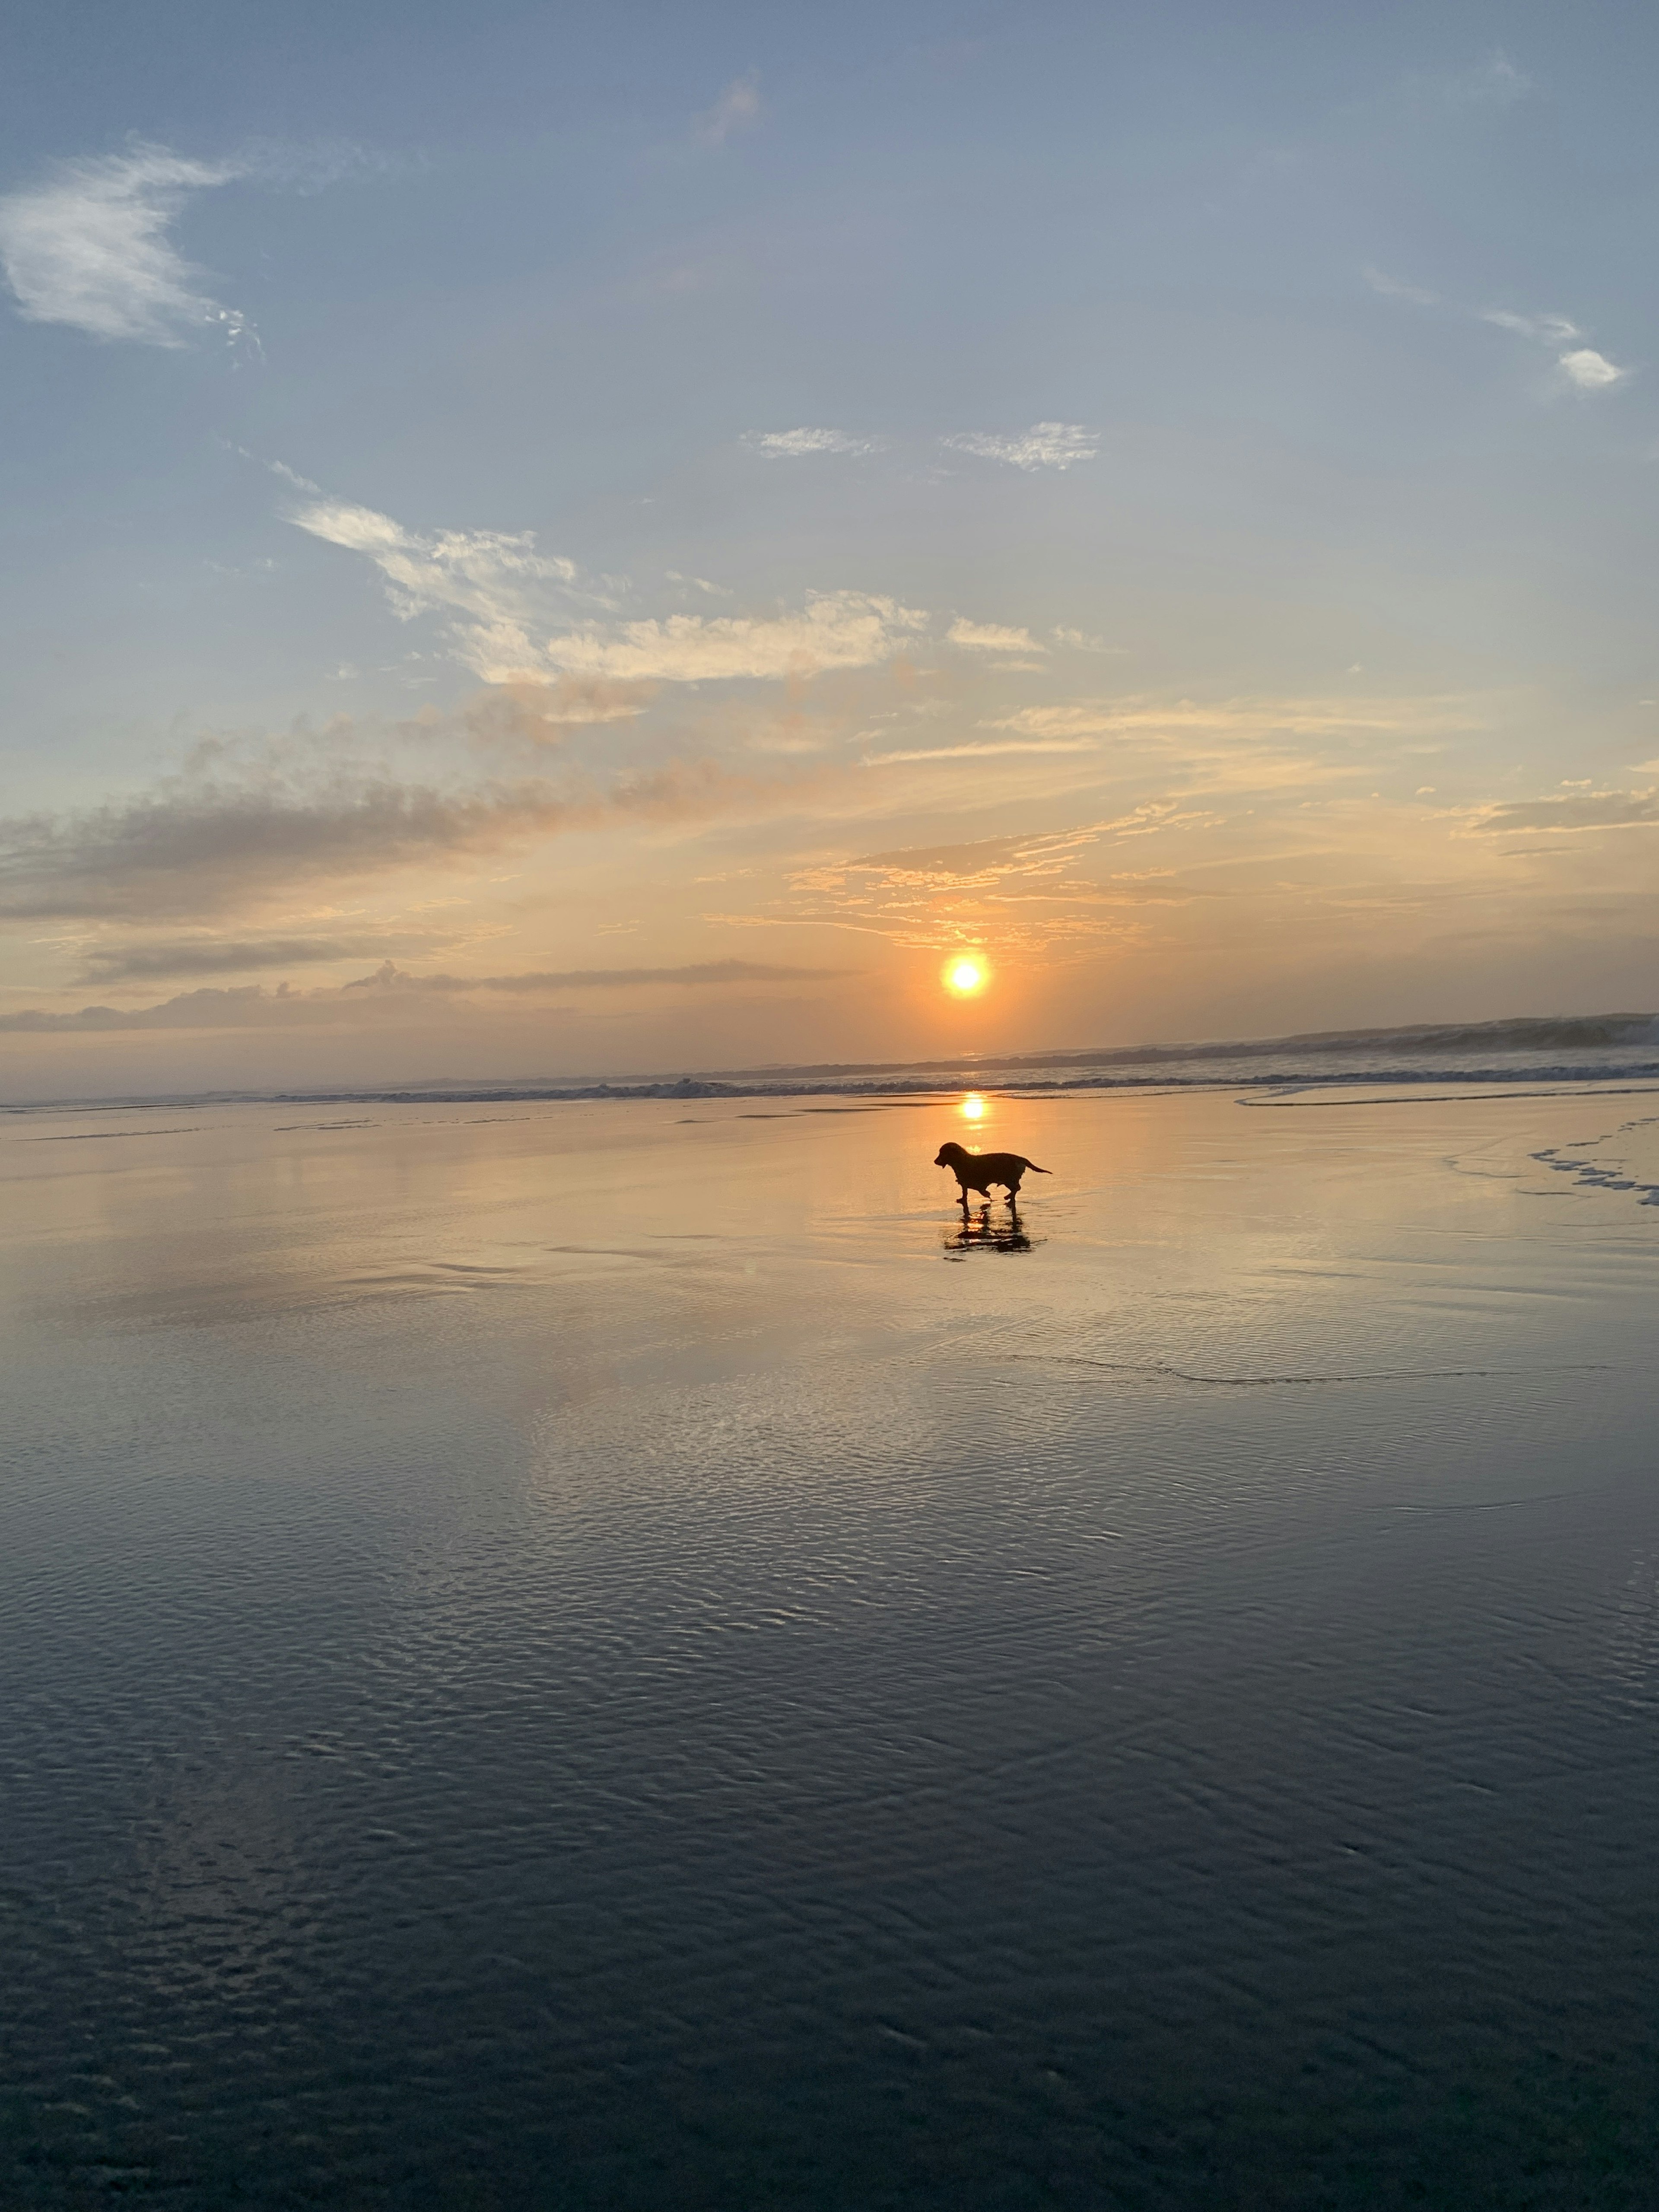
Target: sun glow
(964, 974)
(972, 1108)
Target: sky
(557, 541)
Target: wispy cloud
(91, 247)
(982, 751)
(543, 711)
(1044, 446)
(1241, 718)
(1550, 330)
(496, 582)
(504, 596)
(1576, 810)
(738, 106)
(695, 974)
(202, 846)
(214, 841)
(1494, 82)
(393, 990)
(834, 629)
(1581, 366)
(196, 956)
(992, 637)
(1389, 288)
(797, 445)
(91, 243)
(1020, 893)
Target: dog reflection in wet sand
(977, 1232)
(978, 1171)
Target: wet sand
(606, 1655)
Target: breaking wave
(1560, 1048)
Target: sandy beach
(600, 1641)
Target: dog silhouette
(979, 1170)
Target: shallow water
(599, 1655)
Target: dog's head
(949, 1154)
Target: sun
(966, 975)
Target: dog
(979, 1170)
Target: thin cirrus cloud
(1584, 368)
(510, 610)
(90, 244)
(737, 109)
(91, 247)
(693, 974)
(250, 1006)
(1246, 718)
(990, 751)
(798, 445)
(992, 637)
(1044, 446)
(1020, 891)
(1581, 366)
(1578, 809)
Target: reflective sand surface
(609, 1655)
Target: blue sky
(567, 540)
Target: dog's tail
(1036, 1169)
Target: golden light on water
(972, 1108)
(965, 974)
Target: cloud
(197, 955)
(204, 843)
(250, 1006)
(240, 826)
(980, 862)
(497, 582)
(1494, 83)
(1584, 368)
(543, 711)
(992, 637)
(792, 445)
(389, 977)
(505, 594)
(1578, 810)
(90, 247)
(198, 845)
(1389, 288)
(1591, 371)
(835, 629)
(1018, 893)
(1243, 718)
(1551, 330)
(1044, 446)
(738, 106)
(983, 752)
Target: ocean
(623, 1652)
